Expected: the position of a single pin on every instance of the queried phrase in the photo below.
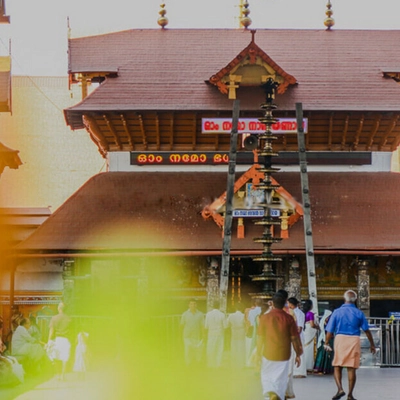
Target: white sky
(38, 29)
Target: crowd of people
(282, 339)
(29, 354)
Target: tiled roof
(168, 69)
(17, 223)
(161, 211)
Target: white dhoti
(301, 371)
(62, 348)
(215, 348)
(274, 377)
(248, 350)
(193, 350)
(238, 352)
(289, 390)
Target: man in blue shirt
(346, 323)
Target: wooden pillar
(212, 283)
(13, 268)
(363, 289)
(84, 87)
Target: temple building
(36, 178)
(162, 115)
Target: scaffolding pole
(311, 277)
(226, 245)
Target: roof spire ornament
(162, 20)
(329, 21)
(245, 20)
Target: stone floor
(373, 383)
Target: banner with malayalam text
(250, 125)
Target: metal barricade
(167, 327)
(105, 330)
(390, 340)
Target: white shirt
(253, 315)
(238, 325)
(300, 319)
(215, 321)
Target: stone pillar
(343, 270)
(363, 286)
(212, 283)
(68, 271)
(293, 286)
(385, 269)
(281, 271)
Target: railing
(386, 332)
(168, 328)
(390, 337)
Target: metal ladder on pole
(226, 245)
(311, 276)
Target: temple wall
(56, 161)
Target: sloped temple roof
(335, 70)
(351, 212)
(156, 86)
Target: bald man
(346, 323)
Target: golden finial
(163, 20)
(329, 21)
(245, 20)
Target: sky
(38, 29)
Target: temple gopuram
(160, 113)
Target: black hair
(293, 300)
(278, 300)
(307, 306)
(283, 293)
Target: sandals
(340, 394)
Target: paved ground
(373, 383)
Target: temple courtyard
(220, 384)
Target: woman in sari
(310, 331)
(323, 359)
